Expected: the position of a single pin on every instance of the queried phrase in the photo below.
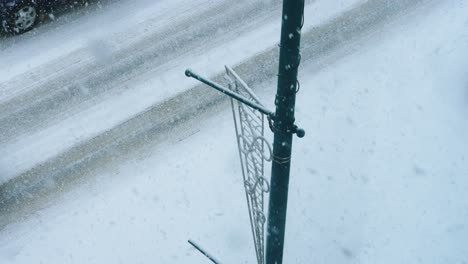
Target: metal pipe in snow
(196, 246)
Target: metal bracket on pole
(254, 149)
(234, 95)
(270, 114)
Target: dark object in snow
(19, 16)
(203, 252)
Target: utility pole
(284, 127)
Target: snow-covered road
(48, 101)
(380, 177)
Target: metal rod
(238, 97)
(292, 20)
(203, 252)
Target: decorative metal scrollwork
(254, 150)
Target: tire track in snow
(83, 85)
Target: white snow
(149, 89)
(381, 176)
(119, 22)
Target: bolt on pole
(284, 127)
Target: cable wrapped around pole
(284, 127)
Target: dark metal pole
(292, 21)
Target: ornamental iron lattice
(254, 150)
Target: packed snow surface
(381, 176)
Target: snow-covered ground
(381, 176)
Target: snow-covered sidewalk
(381, 176)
